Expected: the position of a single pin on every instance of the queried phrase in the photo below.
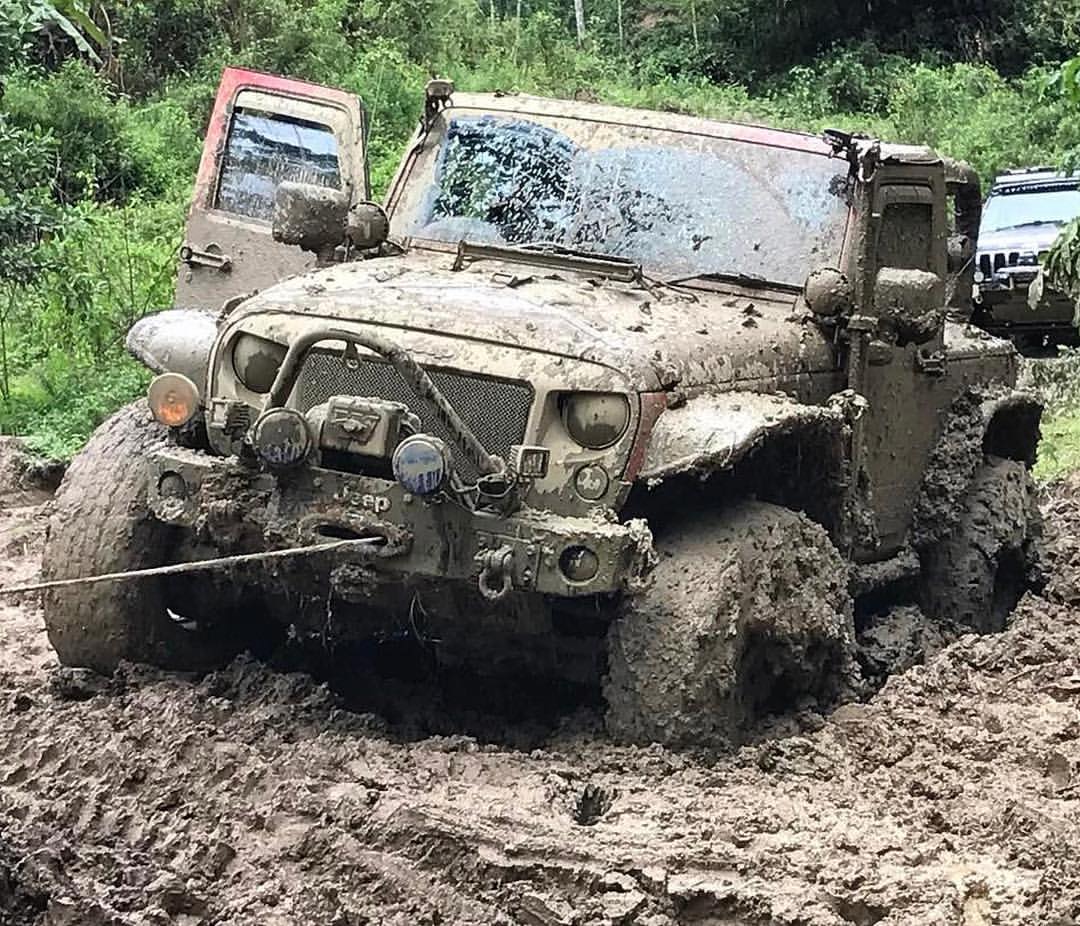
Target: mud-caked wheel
(747, 614)
(975, 575)
(101, 524)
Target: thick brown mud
(254, 797)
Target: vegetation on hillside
(104, 105)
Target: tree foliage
(1061, 270)
(105, 103)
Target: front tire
(101, 524)
(748, 614)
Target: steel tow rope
(199, 566)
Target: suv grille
(496, 409)
(989, 262)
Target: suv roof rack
(1040, 169)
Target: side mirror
(310, 216)
(319, 219)
(909, 304)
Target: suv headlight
(595, 419)
(256, 361)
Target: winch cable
(204, 565)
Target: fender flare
(175, 341)
(714, 432)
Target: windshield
(680, 203)
(1044, 206)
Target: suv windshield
(1043, 206)
(677, 202)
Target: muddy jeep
(600, 394)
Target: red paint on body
(653, 405)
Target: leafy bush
(27, 218)
(165, 39)
(16, 22)
(26, 214)
(56, 406)
(110, 267)
(100, 153)
(67, 369)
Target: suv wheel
(976, 575)
(101, 524)
(747, 615)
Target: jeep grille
(496, 409)
(991, 262)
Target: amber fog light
(173, 399)
(579, 564)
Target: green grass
(1057, 382)
(55, 407)
(1059, 452)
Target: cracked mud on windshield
(253, 796)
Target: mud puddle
(254, 797)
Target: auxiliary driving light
(281, 438)
(579, 564)
(173, 399)
(591, 482)
(422, 464)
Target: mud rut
(253, 797)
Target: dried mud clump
(23, 472)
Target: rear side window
(265, 149)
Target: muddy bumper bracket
(235, 509)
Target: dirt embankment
(250, 797)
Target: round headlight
(256, 361)
(596, 419)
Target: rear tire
(976, 575)
(101, 524)
(748, 614)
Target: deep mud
(253, 797)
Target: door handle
(210, 257)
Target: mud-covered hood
(656, 335)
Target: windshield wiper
(749, 280)
(1031, 224)
(553, 247)
(550, 255)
